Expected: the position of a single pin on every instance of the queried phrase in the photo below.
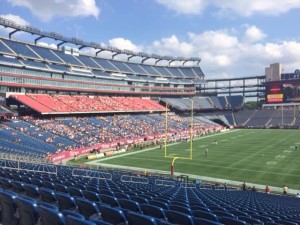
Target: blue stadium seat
(5, 183)
(100, 222)
(75, 192)
(264, 219)
(225, 214)
(48, 195)
(66, 202)
(71, 220)
(50, 216)
(251, 220)
(112, 215)
(154, 211)
(181, 209)
(28, 210)
(120, 195)
(286, 222)
(179, 218)
(159, 204)
(110, 200)
(61, 188)
(139, 199)
(137, 219)
(18, 187)
(231, 221)
(8, 207)
(87, 208)
(201, 221)
(36, 182)
(130, 205)
(92, 196)
(205, 215)
(48, 184)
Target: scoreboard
(274, 93)
(284, 91)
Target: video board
(283, 92)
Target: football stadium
(88, 140)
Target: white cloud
(242, 8)
(253, 34)
(123, 43)
(47, 9)
(48, 45)
(184, 7)
(223, 53)
(171, 46)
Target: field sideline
(266, 157)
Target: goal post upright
(191, 131)
(166, 129)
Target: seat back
(60, 188)
(232, 221)
(201, 221)
(130, 205)
(48, 195)
(18, 187)
(112, 215)
(71, 220)
(205, 215)
(32, 190)
(50, 216)
(181, 209)
(110, 200)
(135, 218)
(8, 207)
(154, 211)
(65, 201)
(28, 210)
(159, 204)
(179, 218)
(87, 208)
(92, 196)
(139, 199)
(75, 192)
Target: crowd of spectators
(75, 132)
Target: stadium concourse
(59, 103)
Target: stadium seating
(180, 205)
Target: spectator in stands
(244, 186)
(225, 186)
(285, 189)
(268, 190)
(253, 188)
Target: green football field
(266, 157)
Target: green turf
(263, 157)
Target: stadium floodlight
(181, 59)
(166, 57)
(143, 54)
(33, 29)
(128, 52)
(156, 56)
(76, 41)
(95, 45)
(194, 59)
(55, 35)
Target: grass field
(266, 157)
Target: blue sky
(232, 37)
